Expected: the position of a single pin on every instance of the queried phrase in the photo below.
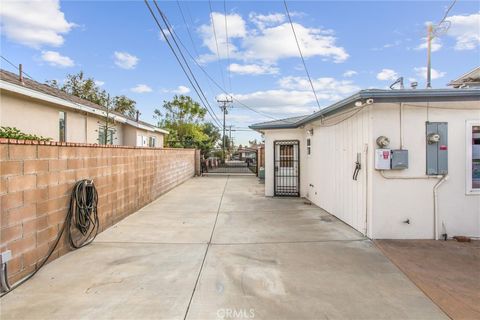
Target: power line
(188, 28)
(301, 55)
(216, 41)
(16, 67)
(211, 112)
(228, 49)
(170, 29)
(174, 34)
(190, 34)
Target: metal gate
(287, 168)
(244, 162)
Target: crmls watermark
(234, 313)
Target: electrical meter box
(399, 159)
(437, 148)
(382, 159)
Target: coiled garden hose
(81, 225)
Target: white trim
(5, 85)
(468, 165)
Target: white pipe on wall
(435, 204)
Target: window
(62, 123)
(308, 146)
(105, 139)
(473, 157)
(151, 142)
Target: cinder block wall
(36, 182)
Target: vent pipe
(20, 73)
(137, 115)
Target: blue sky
(348, 46)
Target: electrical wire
(15, 66)
(190, 35)
(211, 112)
(216, 42)
(81, 224)
(228, 49)
(174, 34)
(301, 54)
(170, 29)
(188, 28)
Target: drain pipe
(435, 204)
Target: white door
(286, 166)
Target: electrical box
(399, 159)
(437, 148)
(382, 159)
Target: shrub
(14, 133)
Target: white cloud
(279, 102)
(55, 59)
(125, 60)
(436, 44)
(466, 31)
(435, 74)
(350, 73)
(387, 74)
(34, 23)
(178, 90)
(262, 21)
(99, 83)
(295, 97)
(182, 90)
(141, 88)
(325, 88)
(252, 69)
(269, 43)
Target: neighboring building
(470, 79)
(39, 109)
(333, 159)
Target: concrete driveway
(216, 248)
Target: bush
(14, 133)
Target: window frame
(60, 139)
(469, 190)
(152, 141)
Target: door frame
(286, 142)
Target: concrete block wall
(36, 182)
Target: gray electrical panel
(399, 159)
(437, 148)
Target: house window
(151, 142)
(473, 157)
(105, 136)
(308, 146)
(62, 125)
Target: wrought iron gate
(242, 162)
(286, 168)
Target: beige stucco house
(401, 164)
(39, 109)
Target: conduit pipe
(435, 204)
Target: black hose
(81, 223)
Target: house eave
(7, 86)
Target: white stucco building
(430, 181)
(39, 109)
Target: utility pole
(224, 107)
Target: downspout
(435, 204)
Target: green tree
(86, 88)
(184, 118)
(124, 105)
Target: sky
(347, 46)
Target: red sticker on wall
(443, 147)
